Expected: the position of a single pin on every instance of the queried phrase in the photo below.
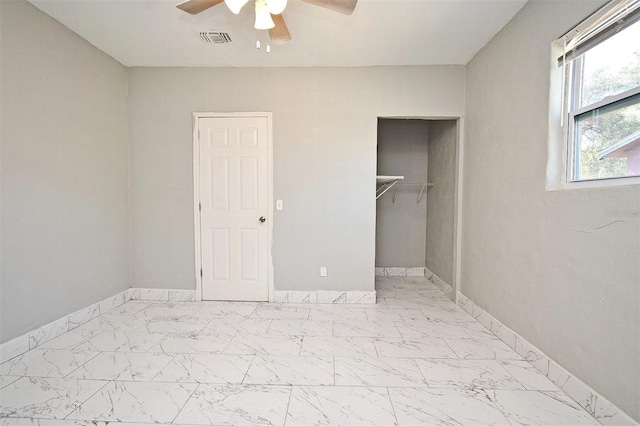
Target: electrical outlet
(323, 271)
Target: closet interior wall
(441, 170)
(401, 224)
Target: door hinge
(201, 272)
(200, 206)
(198, 133)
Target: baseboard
(441, 284)
(329, 297)
(599, 407)
(156, 295)
(35, 338)
(400, 272)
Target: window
(601, 62)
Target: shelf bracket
(384, 188)
(394, 194)
(421, 192)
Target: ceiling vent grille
(214, 37)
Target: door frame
(196, 192)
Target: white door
(234, 185)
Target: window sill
(601, 183)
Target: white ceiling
(379, 32)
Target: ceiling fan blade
(342, 6)
(280, 33)
(196, 6)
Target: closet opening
(417, 207)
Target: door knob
(262, 219)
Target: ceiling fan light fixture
(276, 7)
(235, 5)
(263, 17)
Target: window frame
(568, 63)
(573, 156)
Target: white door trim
(196, 192)
(458, 211)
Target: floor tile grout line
(334, 369)
(424, 376)
(165, 366)
(495, 405)
(82, 365)
(450, 348)
(223, 352)
(107, 382)
(186, 402)
(286, 413)
(13, 381)
(209, 322)
(268, 327)
(192, 314)
(524, 387)
(375, 347)
(393, 408)
(253, 358)
(67, 348)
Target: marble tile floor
(413, 358)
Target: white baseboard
(322, 296)
(438, 282)
(600, 408)
(35, 338)
(153, 294)
(400, 272)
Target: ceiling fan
(268, 12)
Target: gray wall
(325, 122)
(556, 267)
(441, 198)
(401, 226)
(64, 171)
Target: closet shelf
(386, 179)
(385, 183)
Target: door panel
(219, 184)
(234, 196)
(220, 256)
(249, 183)
(250, 265)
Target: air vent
(214, 36)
